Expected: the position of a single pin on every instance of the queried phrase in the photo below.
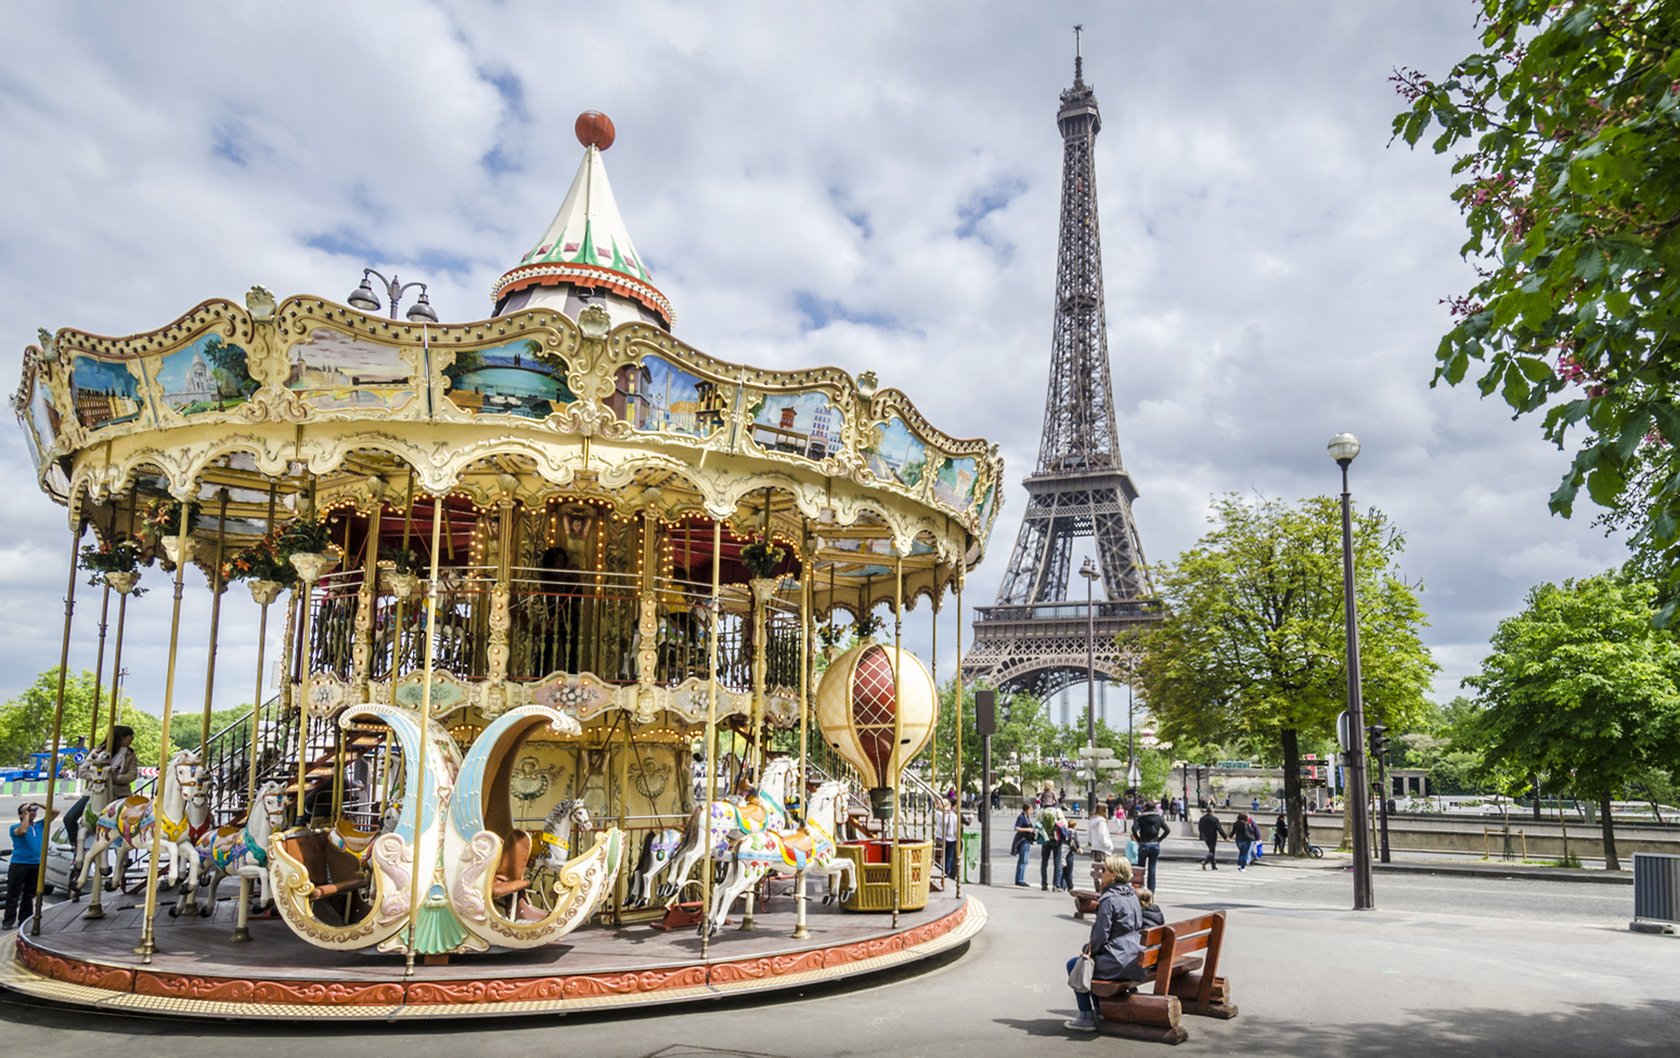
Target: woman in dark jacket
(1116, 938)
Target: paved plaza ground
(1446, 966)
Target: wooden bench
(1181, 983)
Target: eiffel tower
(1033, 639)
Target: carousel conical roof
(587, 244)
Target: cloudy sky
(868, 185)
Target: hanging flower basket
(160, 521)
(866, 626)
(179, 549)
(264, 592)
(761, 558)
(311, 565)
(403, 585)
(123, 581)
(106, 558)
(261, 561)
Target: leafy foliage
(1582, 687)
(26, 721)
(1565, 126)
(1253, 649)
(263, 560)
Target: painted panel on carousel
(987, 502)
(334, 371)
(894, 453)
(448, 693)
(209, 375)
(804, 424)
(953, 484)
(510, 379)
(42, 420)
(657, 396)
(105, 393)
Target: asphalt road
(1445, 965)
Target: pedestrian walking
(1280, 834)
(21, 875)
(1025, 839)
(1210, 830)
(1245, 834)
(1100, 841)
(1070, 852)
(1116, 943)
(950, 830)
(1149, 830)
(1054, 830)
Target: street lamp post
(1089, 572)
(365, 299)
(1343, 448)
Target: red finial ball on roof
(594, 129)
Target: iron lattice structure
(1033, 639)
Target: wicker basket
(871, 862)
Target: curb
(1477, 870)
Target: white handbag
(1083, 972)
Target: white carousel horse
(556, 832)
(657, 851)
(810, 848)
(184, 846)
(239, 850)
(128, 823)
(95, 773)
(726, 821)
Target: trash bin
(971, 855)
(1656, 892)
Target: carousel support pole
(896, 761)
(300, 672)
(763, 589)
(58, 721)
(99, 666)
(217, 587)
(800, 932)
(242, 915)
(148, 943)
(425, 731)
(711, 739)
(116, 654)
(959, 725)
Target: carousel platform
(198, 971)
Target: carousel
(588, 688)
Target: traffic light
(1379, 742)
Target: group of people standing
(1042, 823)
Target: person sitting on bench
(1152, 913)
(1116, 938)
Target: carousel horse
(657, 850)
(810, 848)
(95, 774)
(184, 846)
(239, 850)
(556, 832)
(128, 823)
(726, 821)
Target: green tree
(1254, 647)
(26, 721)
(1581, 684)
(1563, 126)
(1025, 747)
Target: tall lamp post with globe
(1344, 447)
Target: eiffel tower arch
(1033, 638)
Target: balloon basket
(873, 867)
